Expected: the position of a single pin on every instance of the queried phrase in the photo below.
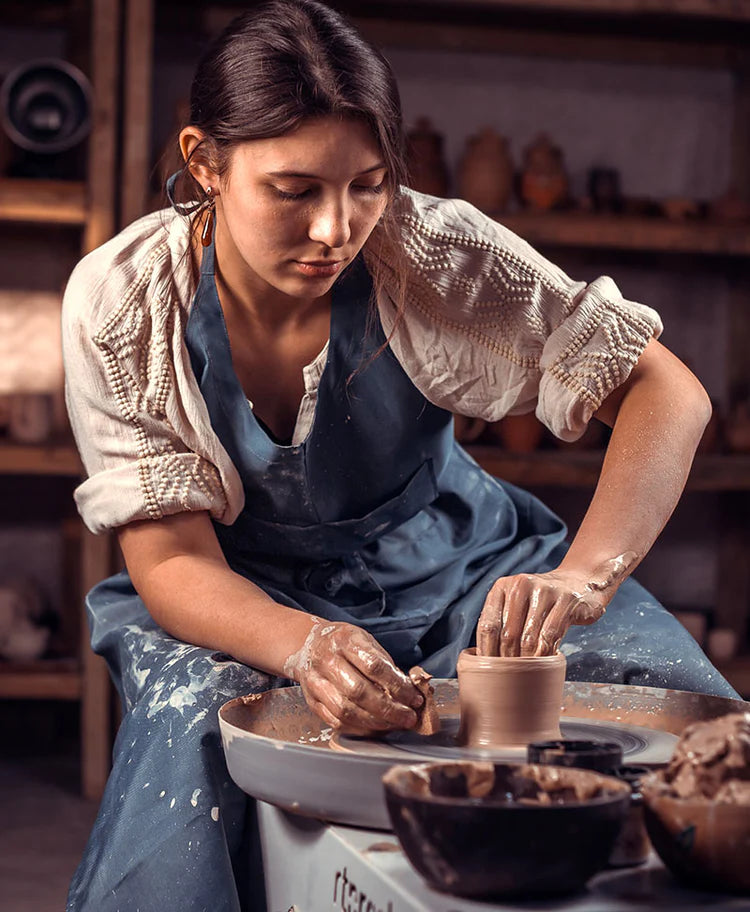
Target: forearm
(200, 600)
(658, 425)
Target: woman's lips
(320, 270)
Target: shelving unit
(610, 232)
(54, 459)
(88, 207)
(51, 202)
(580, 469)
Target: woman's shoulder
(458, 248)
(140, 263)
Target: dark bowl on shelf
(475, 828)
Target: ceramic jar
(544, 181)
(485, 174)
(517, 433)
(507, 701)
(428, 172)
(466, 429)
(31, 417)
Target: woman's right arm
(179, 570)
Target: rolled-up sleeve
(145, 456)
(485, 326)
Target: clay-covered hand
(529, 614)
(351, 682)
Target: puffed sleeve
(138, 419)
(490, 327)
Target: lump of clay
(428, 718)
(711, 760)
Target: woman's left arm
(657, 416)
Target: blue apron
(377, 518)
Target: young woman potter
(261, 380)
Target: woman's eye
(377, 189)
(287, 195)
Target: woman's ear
(195, 148)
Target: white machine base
(312, 866)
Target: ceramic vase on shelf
(544, 181)
(711, 440)
(737, 428)
(604, 190)
(517, 433)
(466, 429)
(428, 172)
(485, 174)
(22, 636)
(31, 417)
(731, 207)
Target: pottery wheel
(640, 745)
(279, 751)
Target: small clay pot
(517, 433)
(508, 701)
(544, 181)
(31, 418)
(467, 429)
(428, 172)
(485, 175)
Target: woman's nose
(330, 225)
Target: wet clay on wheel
(509, 700)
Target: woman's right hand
(351, 682)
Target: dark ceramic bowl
(601, 756)
(476, 828)
(704, 843)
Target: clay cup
(509, 701)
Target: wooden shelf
(580, 468)
(43, 201)
(726, 10)
(578, 229)
(56, 459)
(43, 679)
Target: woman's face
(294, 211)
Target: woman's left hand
(529, 614)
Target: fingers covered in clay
(351, 682)
(529, 614)
(428, 717)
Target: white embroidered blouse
(490, 328)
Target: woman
(262, 394)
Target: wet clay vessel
(509, 701)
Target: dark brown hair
(284, 62)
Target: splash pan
(277, 750)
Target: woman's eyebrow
(380, 166)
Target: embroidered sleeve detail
(490, 327)
(140, 423)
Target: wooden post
(733, 587)
(96, 692)
(139, 29)
(96, 736)
(105, 54)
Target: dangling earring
(208, 226)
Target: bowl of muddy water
(703, 842)
(482, 829)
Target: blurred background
(612, 135)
